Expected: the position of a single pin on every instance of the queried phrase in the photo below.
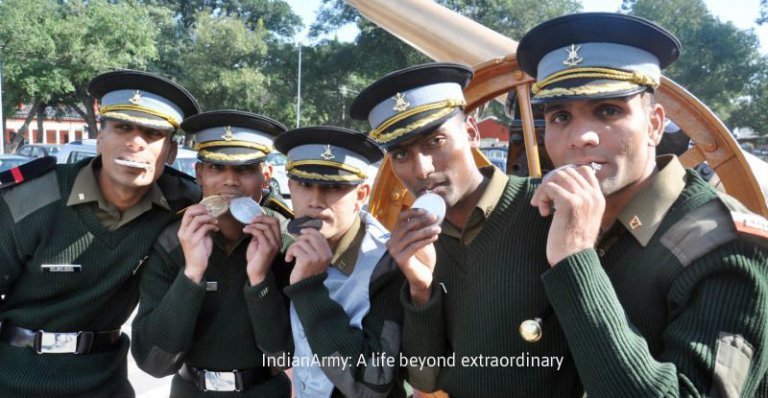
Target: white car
(78, 150)
(279, 180)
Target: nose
(583, 134)
(316, 196)
(422, 165)
(136, 140)
(230, 177)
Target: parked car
(279, 180)
(75, 151)
(81, 149)
(38, 150)
(185, 161)
(8, 162)
(497, 155)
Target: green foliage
(719, 62)
(221, 64)
(275, 15)
(51, 49)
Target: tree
(763, 12)
(274, 15)
(52, 49)
(222, 65)
(719, 62)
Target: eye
(304, 184)
(399, 154)
(435, 141)
(123, 127)
(558, 117)
(247, 169)
(609, 110)
(214, 166)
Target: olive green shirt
(482, 210)
(86, 190)
(645, 212)
(343, 258)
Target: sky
(741, 12)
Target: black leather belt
(235, 380)
(59, 343)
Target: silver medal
(244, 209)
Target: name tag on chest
(211, 286)
(61, 267)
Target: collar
(484, 207)
(644, 213)
(86, 189)
(345, 255)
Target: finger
(316, 242)
(271, 233)
(399, 244)
(189, 214)
(300, 250)
(413, 248)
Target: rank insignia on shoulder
(26, 172)
(751, 224)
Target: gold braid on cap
(317, 176)
(594, 73)
(105, 110)
(241, 144)
(291, 166)
(446, 107)
(230, 158)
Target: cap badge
(573, 56)
(400, 103)
(328, 154)
(136, 99)
(227, 136)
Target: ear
(363, 191)
(100, 136)
(472, 131)
(199, 172)
(656, 124)
(172, 151)
(266, 170)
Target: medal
(295, 226)
(244, 209)
(432, 203)
(216, 205)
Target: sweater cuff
(311, 283)
(423, 332)
(265, 301)
(178, 311)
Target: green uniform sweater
(481, 294)
(685, 316)
(234, 326)
(327, 329)
(38, 228)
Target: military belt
(60, 343)
(235, 380)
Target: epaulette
(745, 221)
(272, 201)
(721, 220)
(26, 172)
(180, 189)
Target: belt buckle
(56, 343)
(222, 381)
